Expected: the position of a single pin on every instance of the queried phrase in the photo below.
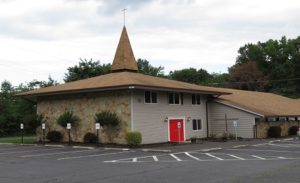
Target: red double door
(176, 130)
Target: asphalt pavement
(254, 161)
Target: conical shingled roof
(124, 59)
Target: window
(196, 99)
(150, 97)
(197, 124)
(173, 98)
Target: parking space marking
(56, 153)
(93, 155)
(210, 155)
(191, 156)
(17, 152)
(175, 157)
(234, 156)
(266, 150)
(258, 157)
(155, 158)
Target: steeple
(124, 59)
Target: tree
(247, 76)
(110, 122)
(145, 67)
(86, 69)
(190, 75)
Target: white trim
(242, 109)
(131, 108)
(197, 125)
(174, 118)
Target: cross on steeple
(124, 13)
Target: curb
(83, 147)
(117, 149)
(49, 145)
(156, 150)
(4, 143)
(28, 145)
(211, 149)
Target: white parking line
(265, 150)
(175, 157)
(55, 153)
(17, 152)
(155, 158)
(191, 156)
(258, 157)
(208, 154)
(278, 145)
(237, 157)
(134, 159)
(93, 155)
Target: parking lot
(276, 161)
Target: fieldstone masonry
(85, 106)
(262, 127)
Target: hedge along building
(161, 109)
(154, 106)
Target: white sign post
(97, 125)
(69, 129)
(178, 128)
(235, 131)
(22, 127)
(43, 130)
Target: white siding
(217, 112)
(149, 118)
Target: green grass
(28, 139)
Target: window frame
(173, 97)
(151, 97)
(195, 96)
(197, 125)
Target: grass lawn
(28, 139)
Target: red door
(176, 130)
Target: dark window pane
(194, 124)
(176, 98)
(147, 96)
(193, 99)
(154, 97)
(199, 124)
(171, 98)
(198, 99)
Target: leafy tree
(190, 75)
(68, 117)
(145, 67)
(86, 69)
(110, 122)
(247, 77)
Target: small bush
(90, 138)
(274, 131)
(134, 138)
(54, 136)
(293, 130)
(67, 117)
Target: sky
(41, 38)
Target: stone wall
(262, 127)
(85, 106)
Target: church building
(162, 110)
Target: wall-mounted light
(188, 119)
(166, 119)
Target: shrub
(110, 122)
(274, 131)
(293, 130)
(54, 136)
(67, 117)
(134, 138)
(90, 138)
